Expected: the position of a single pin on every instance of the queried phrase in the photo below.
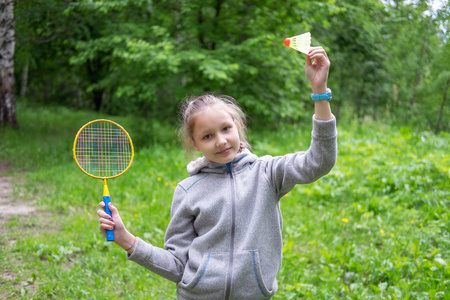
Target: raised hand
(317, 67)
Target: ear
(191, 141)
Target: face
(215, 135)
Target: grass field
(376, 227)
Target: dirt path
(14, 206)
(10, 203)
(9, 206)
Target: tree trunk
(24, 83)
(216, 22)
(375, 103)
(444, 98)
(413, 99)
(7, 44)
(421, 65)
(96, 72)
(394, 97)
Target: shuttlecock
(300, 42)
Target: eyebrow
(207, 131)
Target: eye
(207, 137)
(226, 128)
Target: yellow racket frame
(106, 196)
(129, 139)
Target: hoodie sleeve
(170, 261)
(284, 172)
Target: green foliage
(356, 49)
(59, 126)
(376, 227)
(142, 57)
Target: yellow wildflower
(345, 220)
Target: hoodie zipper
(233, 228)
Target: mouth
(225, 151)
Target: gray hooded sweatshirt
(224, 240)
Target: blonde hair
(193, 105)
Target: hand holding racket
(103, 149)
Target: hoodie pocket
(209, 280)
(249, 282)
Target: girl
(224, 240)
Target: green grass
(376, 227)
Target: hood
(202, 164)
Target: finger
(114, 211)
(115, 216)
(314, 50)
(102, 230)
(317, 51)
(308, 61)
(103, 214)
(102, 204)
(320, 59)
(107, 222)
(104, 226)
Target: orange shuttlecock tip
(287, 42)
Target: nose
(221, 140)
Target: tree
(7, 43)
(417, 40)
(46, 36)
(444, 99)
(143, 56)
(161, 51)
(354, 39)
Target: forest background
(376, 227)
(390, 59)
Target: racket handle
(109, 233)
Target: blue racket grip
(109, 233)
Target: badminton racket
(103, 149)
(301, 42)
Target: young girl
(224, 240)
